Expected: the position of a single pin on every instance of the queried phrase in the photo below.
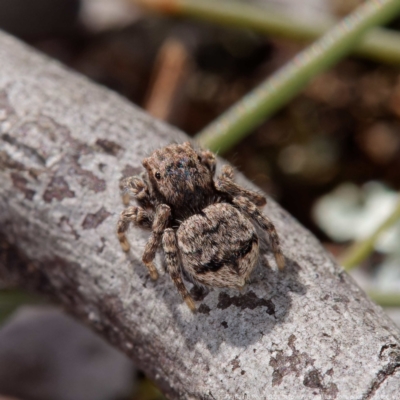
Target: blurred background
(331, 156)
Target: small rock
(46, 355)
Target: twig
(65, 143)
(168, 74)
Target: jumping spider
(205, 226)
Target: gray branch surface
(305, 333)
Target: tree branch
(64, 145)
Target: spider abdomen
(219, 246)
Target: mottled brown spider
(206, 227)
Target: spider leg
(208, 159)
(136, 187)
(250, 209)
(160, 223)
(171, 255)
(224, 183)
(138, 217)
(227, 172)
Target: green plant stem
(380, 44)
(276, 91)
(361, 250)
(385, 299)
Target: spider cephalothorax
(206, 227)
(180, 178)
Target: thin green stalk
(380, 45)
(361, 250)
(276, 91)
(385, 299)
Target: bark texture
(305, 333)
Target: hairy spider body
(212, 251)
(205, 227)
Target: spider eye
(158, 175)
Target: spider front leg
(224, 183)
(161, 218)
(137, 187)
(208, 159)
(250, 209)
(138, 217)
(170, 247)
